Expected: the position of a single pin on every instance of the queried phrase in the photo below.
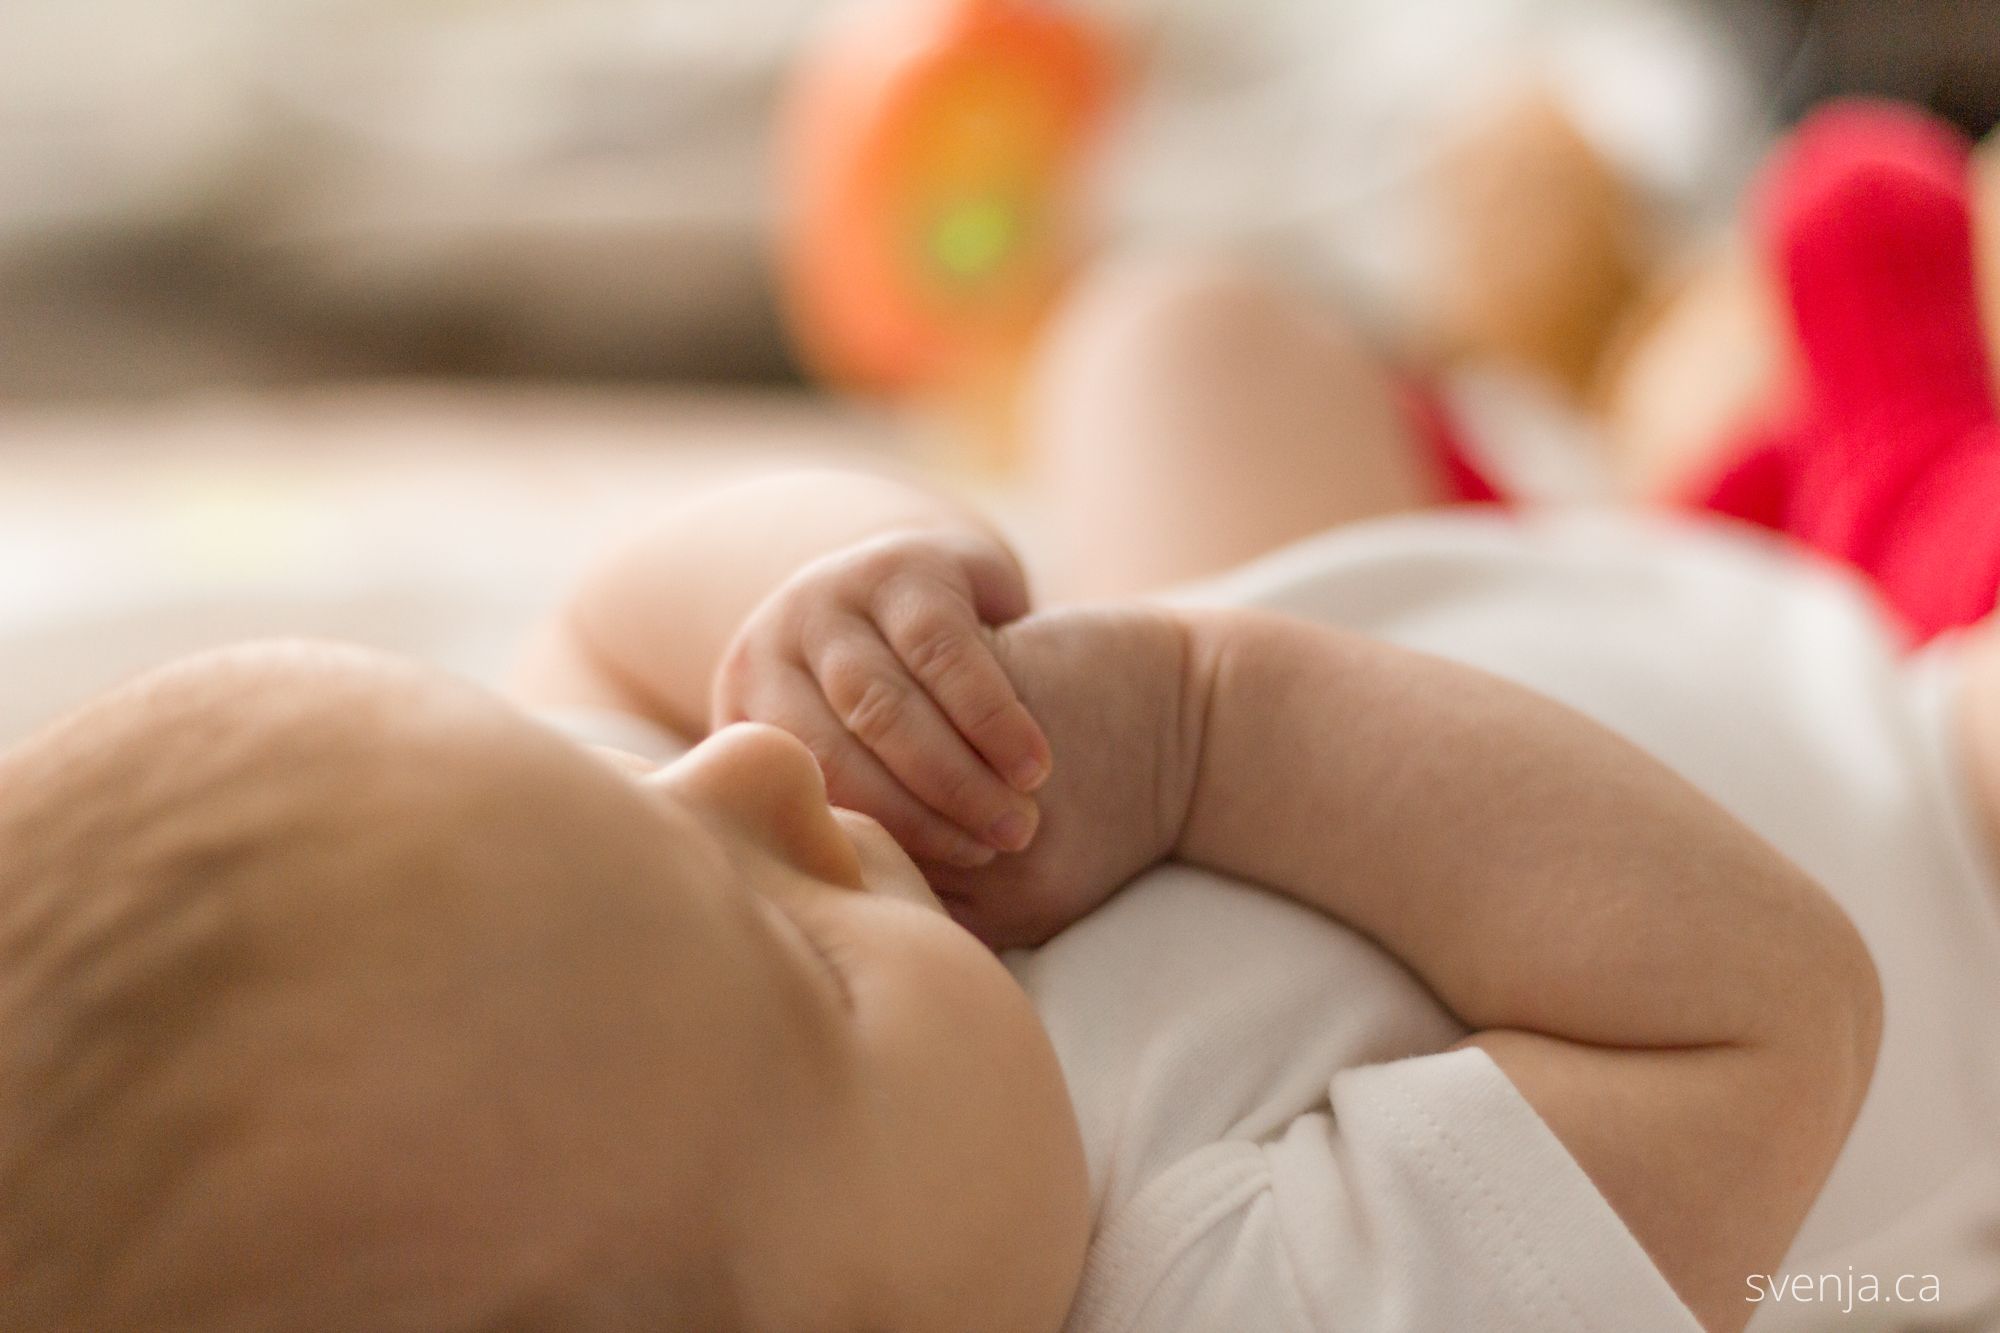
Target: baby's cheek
(925, 987)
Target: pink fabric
(1890, 458)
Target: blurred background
(370, 317)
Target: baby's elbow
(1835, 1021)
(1860, 986)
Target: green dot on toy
(974, 239)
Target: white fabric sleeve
(1431, 1197)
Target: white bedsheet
(433, 522)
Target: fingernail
(1029, 774)
(1012, 831)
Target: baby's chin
(885, 867)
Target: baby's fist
(879, 658)
(1110, 689)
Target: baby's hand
(1109, 687)
(879, 658)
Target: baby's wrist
(1114, 681)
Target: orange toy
(933, 153)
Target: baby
(335, 993)
(1347, 986)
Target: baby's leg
(1188, 415)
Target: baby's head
(335, 994)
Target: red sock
(1892, 461)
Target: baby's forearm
(1691, 1016)
(647, 627)
(1536, 871)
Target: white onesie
(1275, 1143)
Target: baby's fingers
(888, 711)
(856, 780)
(937, 635)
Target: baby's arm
(1691, 1016)
(850, 609)
(648, 626)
